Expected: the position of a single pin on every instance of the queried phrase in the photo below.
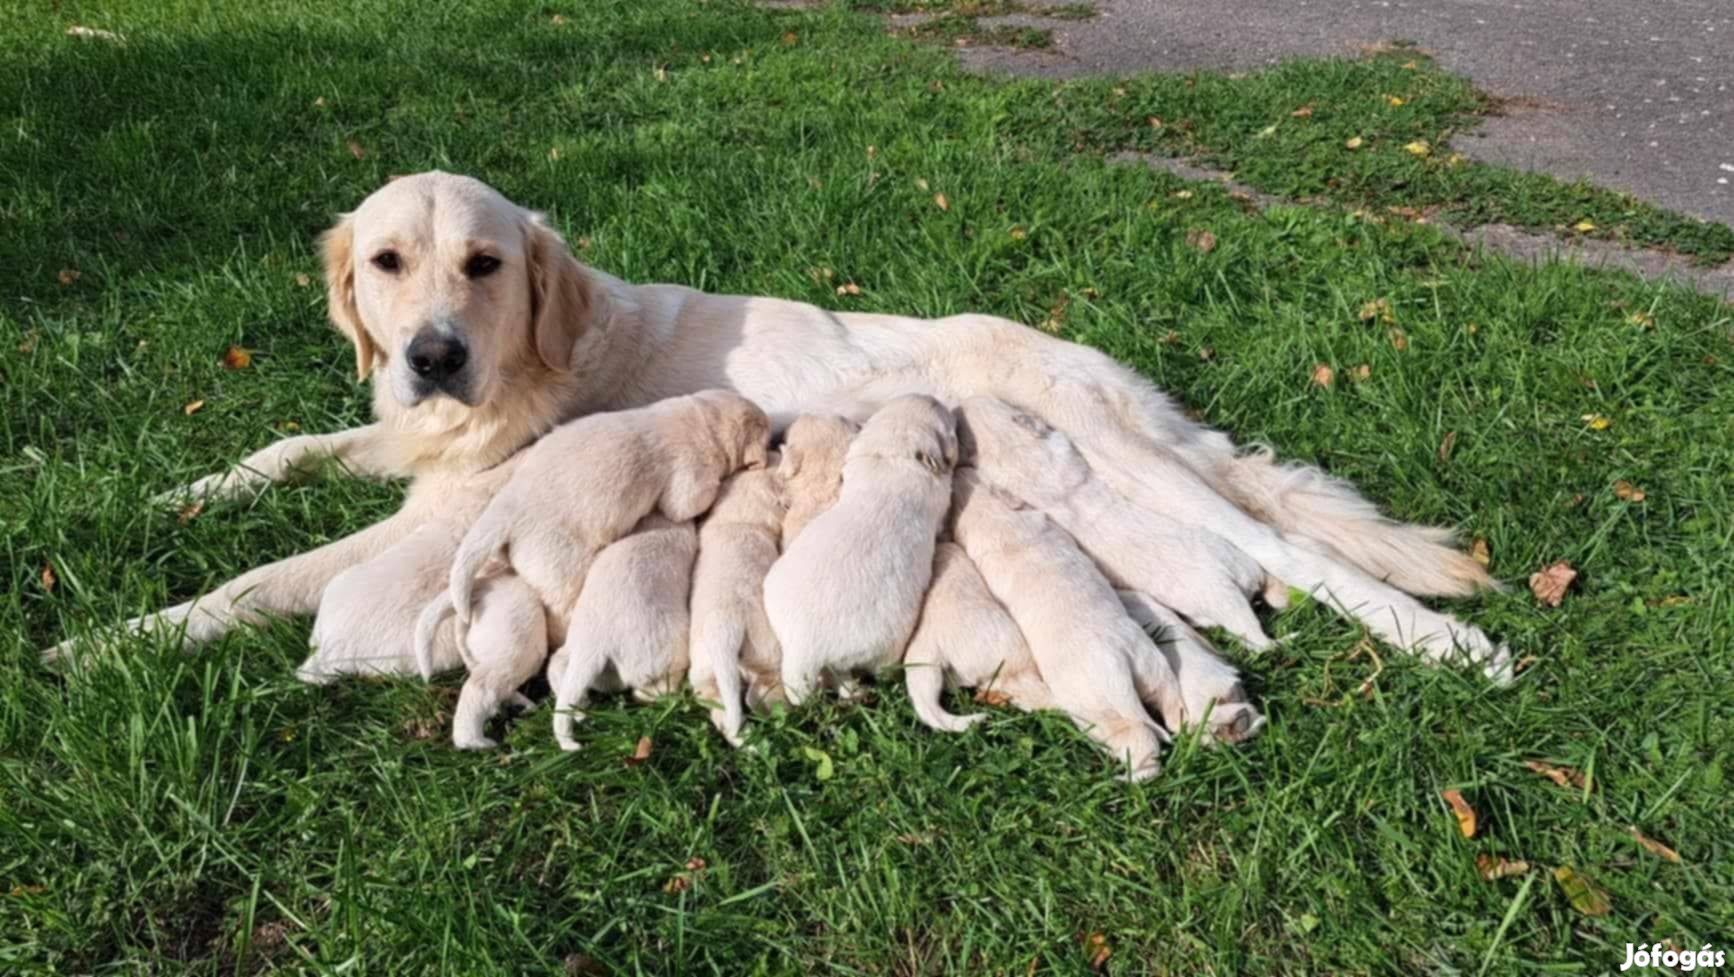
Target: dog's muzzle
(438, 361)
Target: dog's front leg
(362, 451)
(283, 589)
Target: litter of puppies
(972, 545)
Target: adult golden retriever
(481, 332)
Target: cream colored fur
(845, 595)
(551, 339)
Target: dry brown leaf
(1549, 585)
(640, 753)
(1418, 148)
(677, 884)
(28, 346)
(921, 184)
(1354, 143)
(1480, 552)
(1643, 320)
(1304, 112)
(49, 580)
(916, 838)
(1181, 195)
(1460, 807)
(849, 288)
(579, 965)
(557, 20)
(660, 73)
(302, 281)
(1154, 121)
(790, 38)
(1575, 501)
(1323, 375)
(1362, 372)
(94, 34)
(1627, 492)
(190, 511)
(355, 149)
(1018, 233)
(1201, 239)
(989, 696)
(1564, 776)
(1492, 868)
(695, 864)
(1446, 446)
(940, 201)
(1207, 353)
(1583, 895)
(236, 358)
(1097, 948)
(193, 408)
(68, 275)
(1379, 309)
(1654, 847)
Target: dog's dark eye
(387, 261)
(481, 266)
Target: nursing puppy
(1211, 693)
(812, 467)
(503, 647)
(1098, 665)
(631, 619)
(1190, 569)
(731, 637)
(845, 595)
(592, 480)
(965, 638)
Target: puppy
(503, 647)
(1192, 570)
(631, 618)
(590, 481)
(1209, 686)
(1099, 667)
(812, 467)
(737, 544)
(846, 593)
(965, 638)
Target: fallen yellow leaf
(302, 281)
(1393, 101)
(1480, 552)
(1581, 893)
(849, 288)
(1355, 142)
(1418, 148)
(1549, 585)
(1399, 340)
(1643, 320)
(790, 38)
(1362, 372)
(193, 408)
(1492, 868)
(640, 753)
(1304, 112)
(1018, 233)
(992, 697)
(940, 201)
(1096, 945)
(1628, 492)
(1377, 309)
(1597, 422)
(1155, 122)
(1566, 777)
(1465, 814)
(190, 511)
(236, 358)
(68, 275)
(1583, 227)
(1447, 445)
(1181, 195)
(1201, 239)
(48, 578)
(355, 149)
(1323, 375)
(1654, 847)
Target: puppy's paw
(472, 742)
(1232, 722)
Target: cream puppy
(811, 467)
(1209, 686)
(1096, 662)
(965, 638)
(737, 543)
(845, 595)
(631, 619)
(1192, 570)
(590, 481)
(503, 647)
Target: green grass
(205, 814)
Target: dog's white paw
(466, 742)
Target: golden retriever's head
(913, 427)
(452, 290)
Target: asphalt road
(1636, 95)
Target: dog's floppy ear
(563, 299)
(337, 246)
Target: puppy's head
(814, 447)
(915, 427)
(452, 290)
(1011, 445)
(742, 427)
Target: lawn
(206, 814)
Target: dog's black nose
(436, 357)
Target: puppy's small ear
(563, 298)
(337, 248)
(789, 463)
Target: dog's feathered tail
(427, 627)
(1301, 500)
(485, 539)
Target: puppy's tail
(1303, 501)
(427, 631)
(486, 538)
(716, 642)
